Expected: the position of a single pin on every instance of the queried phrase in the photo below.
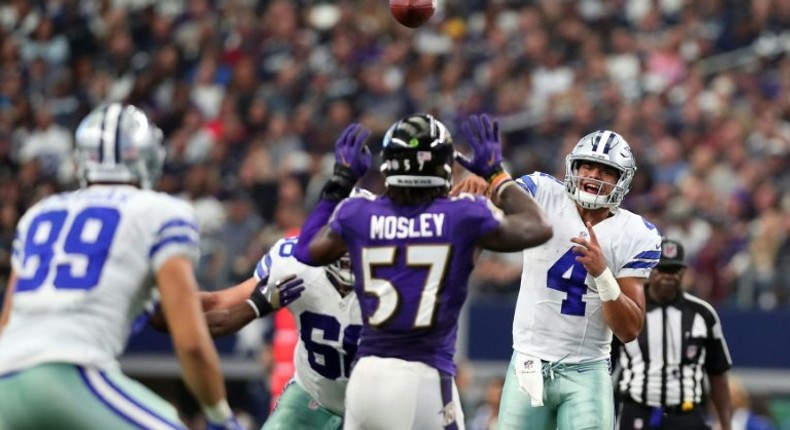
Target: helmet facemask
(340, 274)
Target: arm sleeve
(484, 216)
(317, 219)
(643, 251)
(176, 234)
(718, 358)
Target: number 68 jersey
(85, 263)
(558, 313)
(328, 324)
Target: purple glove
(350, 151)
(285, 291)
(482, 134)
(266, 298)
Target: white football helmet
(117, 143)
(604, 147)
(340, 273)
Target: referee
(661, 385)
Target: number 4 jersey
(558, 313)
(328, 323)
(85, 264)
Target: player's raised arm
(525, 224)
(265, 298)
(317, 244)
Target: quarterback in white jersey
(328, 319)
(577, 289)
(558, 314)
(84, 266)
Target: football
(412, 13)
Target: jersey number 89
(87, 240)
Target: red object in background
(285, 337)
(412, 13)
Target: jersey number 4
(568, 275)
(85, 247)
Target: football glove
(482, 134)
(267, 298)
(352, 160)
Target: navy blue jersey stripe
(118, 137)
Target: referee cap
(671, 254)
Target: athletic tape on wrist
(608, 288)
(497, 179)
(502, 186)
(218, 413)
(254, 308)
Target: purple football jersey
(412, 266)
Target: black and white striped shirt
(679, 343)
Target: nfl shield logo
(670, 250)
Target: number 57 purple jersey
(412, 266)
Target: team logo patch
(424, 156)
(313, 405)
(669, 250)
(528, 365)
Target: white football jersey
(558, 312)
(85, 262)
(328, 325)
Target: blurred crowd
(252, 94)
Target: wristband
(254, 308)
(218, 413)
(340, 185)
(501, 188)
(259, 303)
(497, 179)
(608, 288)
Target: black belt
(668, 410)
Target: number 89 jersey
(328, 324)
(85, 264)
(558, 313)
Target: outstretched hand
(284, 291)
(482, 134)
(590, 253)
(472, 184)
(351, 152)
(267, 298)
